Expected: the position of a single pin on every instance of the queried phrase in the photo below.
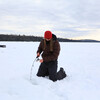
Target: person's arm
(39, 49)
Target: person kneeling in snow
(49, 47)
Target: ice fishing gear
(36, 59)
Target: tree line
(36, 38)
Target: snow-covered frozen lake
(81, 62)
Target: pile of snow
(81, 62)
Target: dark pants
(50, 69)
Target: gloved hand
(38, 54)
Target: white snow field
(81, 62)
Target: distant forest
(35, 38)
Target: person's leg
(42, 71)
(52, 68)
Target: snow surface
(81, 62)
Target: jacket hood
(54, 37)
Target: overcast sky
(66, 18)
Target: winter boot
(61, 74)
